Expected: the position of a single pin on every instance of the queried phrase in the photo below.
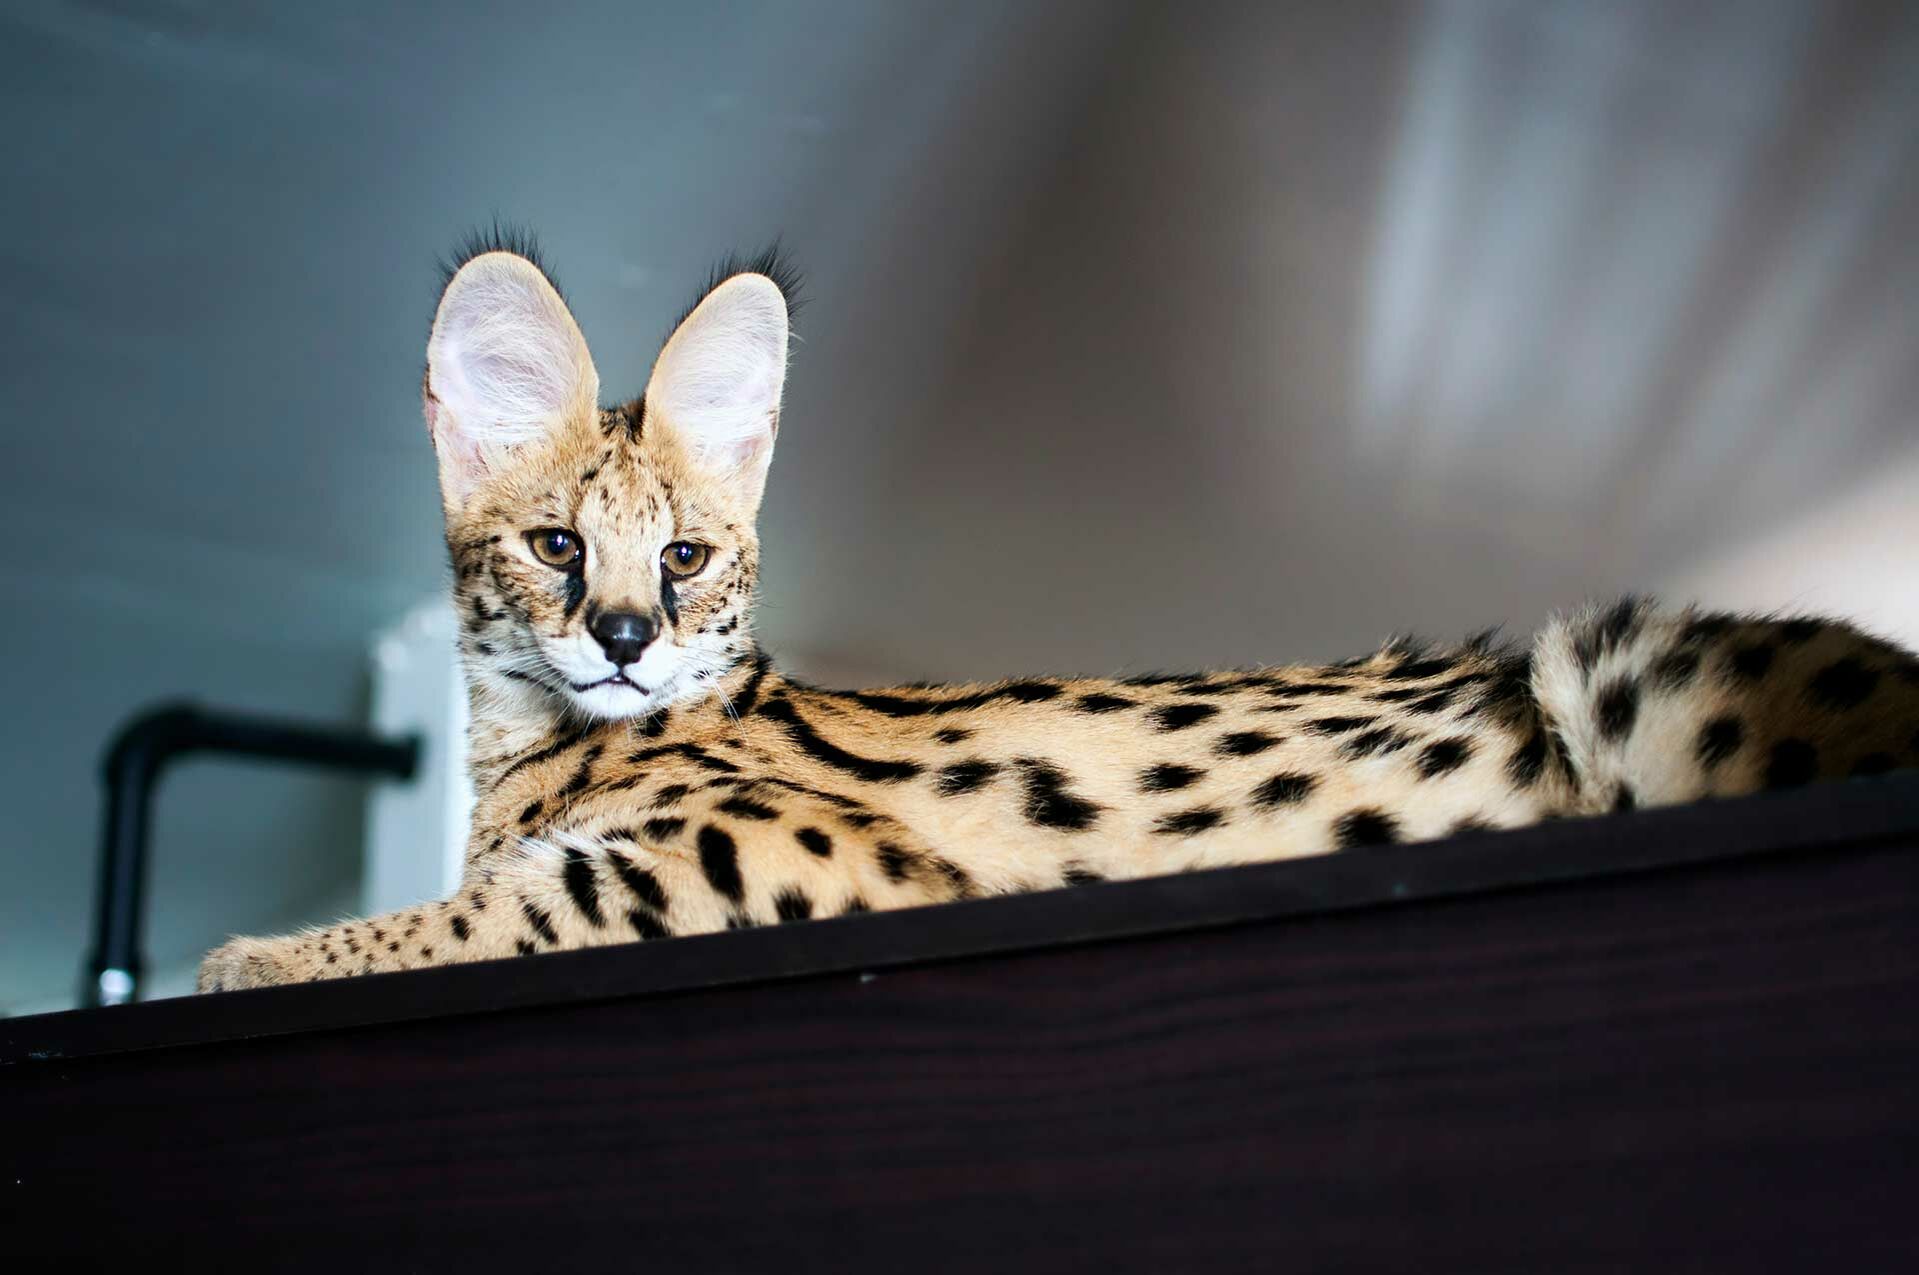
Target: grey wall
(1140, 335)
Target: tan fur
(730, 795)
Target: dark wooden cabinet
(1677, 1040)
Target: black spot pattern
(1102, 703)
(1796, 632)
(1365, 828)
(1185, 823)
(1244, 743)
(1048, 802)
(1284, 789)
(1791, 763)
(582, 886)
(1076, 873)
(1340, 725)
(1180, 716)
(1673, 670)
(1167, 777)
(965, 776)
(1444, 755)
(815, 842)
(1719, 739)
(1375, 743)
(662, 828)
(536, 917)
(647, 925)
(1843, 684)
(746, 808)
(1528, 763)
(792, 905)
(952, 735)
(896, 863)
(1750, 663)
(720, 861)
(1617, 708)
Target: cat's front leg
(242, 963)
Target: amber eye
(683, 559)
(556, 547)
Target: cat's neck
(509, 719)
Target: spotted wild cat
(643, 770)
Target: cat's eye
(556, 547)
(683, 559)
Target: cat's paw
(242, 963)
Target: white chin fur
(616, 701)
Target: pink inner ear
(459, 453)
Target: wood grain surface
(1706, 1068)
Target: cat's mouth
(617, 679)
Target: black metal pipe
(139, 753)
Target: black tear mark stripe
(1185, 823)
(1023, 692)
(582, 886)
(575, 592)
(720, 861)
(965, 776)
(809, 741)
(1049, 803)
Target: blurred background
(1140, 335)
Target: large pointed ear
(506, 363)
(717, 383)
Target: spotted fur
(711, 791)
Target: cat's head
(603, 557)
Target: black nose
(623, 635)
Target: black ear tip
(772, 261)
(497, 236)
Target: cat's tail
(1655, 707)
